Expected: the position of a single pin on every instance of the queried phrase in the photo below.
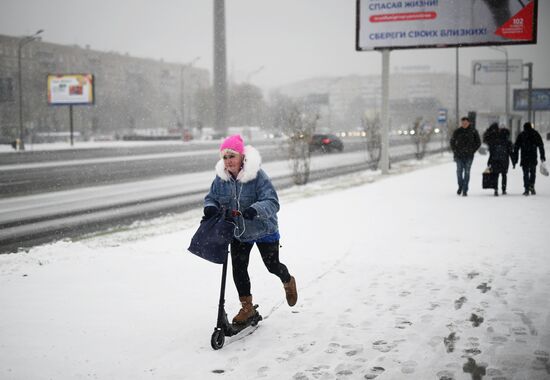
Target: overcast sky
(290, 39)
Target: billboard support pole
(384, 159)
(507, 97)
(507, 84)
(457, 112)
(71, 122)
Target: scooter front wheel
(218, 339)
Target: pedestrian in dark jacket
(500, 152)
(491, 133)
(465, 142)
(244, 188)
(526, 148)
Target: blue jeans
(463, 166)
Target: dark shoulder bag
(212, 238)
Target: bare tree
(421, 137)
(299, 123)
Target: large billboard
(70, 89)
(540, 99)
(405, 24)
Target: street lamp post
(507, 108)
(22, 42)
(220, 69)
(529, 66)
(248, 116)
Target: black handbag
(489, 180)
(212, 238)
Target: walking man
(464, 143)
(526, 144)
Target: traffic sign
(442, 115)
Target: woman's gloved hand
(250, 213)
(209, 212)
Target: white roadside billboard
(494, 71)
(70, 89)
(405, 24)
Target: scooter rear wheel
(218, 339)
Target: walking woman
(244, 188)
(500, 153)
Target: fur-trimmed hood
(251, 166)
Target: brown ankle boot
(291, 292)
(246, 312)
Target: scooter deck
(235, 328)
(252, 321)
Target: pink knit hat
(234, 143)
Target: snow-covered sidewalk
(398, 278)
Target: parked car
(326, 143)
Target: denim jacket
(251, 188)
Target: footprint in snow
(347, 370)
(450, 342)
(476, 320)
(262, 371)
(473, 347)
(477, 371)
(332, 348)
(383, 346)
(445, 375)
(305, 347)
(300, 376)
(409, 366)
(318, 372)
(541, 361)
(402, 323)
(496, 374)
(519, 330)
(460, 302)
(347, 325)
(288, 356)
(374, 372)
(483, 287)
(498, 340)
(353, 349)
(528, 322)
(394, 307)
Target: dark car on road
(326, 143)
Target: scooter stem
(221, 309)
